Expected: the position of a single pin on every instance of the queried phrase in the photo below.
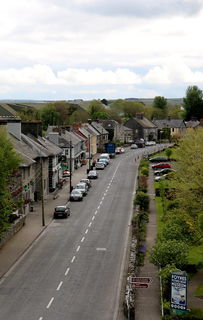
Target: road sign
(136, 285)
(141, 280)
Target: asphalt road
(74, 270)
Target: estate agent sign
(179, 291)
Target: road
(74, 269)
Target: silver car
(82, 187)
(76, 195)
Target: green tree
(160, 102)
(169, 252)
(193, 103)
(49, 115)
(96, 109)
(9, 161)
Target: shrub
(142, 199)
(169, 252)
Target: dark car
(161, 165)
(62, 211)
(159, 159)
(163, 171)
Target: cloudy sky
(91, 49)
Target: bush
(165, 274)
(142, 199)
(193, 314)
(169, 252)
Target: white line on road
(83, 238)
(90, 224)
(59, 286)
(73, 259)
(41, 318)
(78, 248)
(86, 231)
(50, 302)
(67, 270)
(95, 212)
(100, 202)
(102, 198)
(93, 217)
(98, 207)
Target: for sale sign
(179, 291)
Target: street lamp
(70, 181)
(89, 152)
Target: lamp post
(42, 191)
(70, 144)
(89, 152)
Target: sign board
(136, 285)
(179, 291)
(141, 279)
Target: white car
(82, 187)
(133, 146)
(92, 174)
(76, 195)
(100, 165)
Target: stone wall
(12, 230)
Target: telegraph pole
(70, 165)
(89, 152)
(42, 191)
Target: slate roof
(172, 123)
(145, 123)
(98, 126)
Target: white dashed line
(98, 207)
(86, 231)
(93, 217)
(73, 259)
(41, 318)
(83, 238)
(102, 198)
(100, 202)
(95, 212)
(59, 286)
(78, 248)
(50, 302)
(90, 224)
(67, 270)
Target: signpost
(179, 292)
(141, 279)
(136, 285)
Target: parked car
(163, 171)
(161, 165)
(62, 211)
(92, 174)
(159, 159)
(82, 187)
(150, 143)
(100, 165)
(104, 161)
(118, 150)
(122, 149)
(76, 195)
(87, 181)
(66, 173)
(133, 146)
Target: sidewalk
(21, 241)
(147, 304)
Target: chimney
(14, 127)
(33, 127)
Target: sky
(95, 49)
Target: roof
(145, 123)
(192, 123)
(169, 123)
(98, 126)
(109, 124)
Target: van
(104, 155)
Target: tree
(9, 161)
(49, 115)
(96, 110)
(169, 252)
(193, 103)
(160, 102)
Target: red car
(161, 165)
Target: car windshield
(60, 208)
(80, 187)
(75, 192)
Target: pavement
(23, 239)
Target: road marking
(59, 286)
(102, 198)
(98, 207)
(83, 238)
(78, 248)
(100, 202)
(67, 270)
(90, 224)
(50, 302)
(73, 259)
(96, 212)
(93, 217)
(41, 318)
(86, 231)
(101, 249)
